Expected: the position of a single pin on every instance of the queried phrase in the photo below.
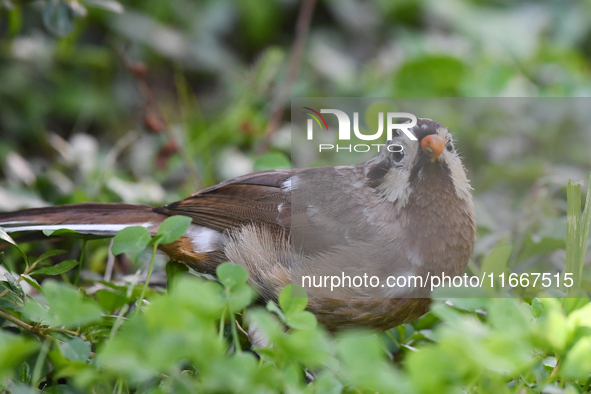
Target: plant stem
(388, 333)
(41, 331)
(141, 300)
(39, 363)
(61, 330)
(237, 346)
(585, 224)
(82, 255)
(16, 321)
(222, 321)
(573, 233)
(28, 269)
(119, 321)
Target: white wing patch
(204, 239)
(290, 183)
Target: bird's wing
(313, 205)
(254, 198)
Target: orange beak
(433, 145)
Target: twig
(41, 331)
(242, 329)
(152, 104)
(62, 330)
(82, 255)
(28, 270)
(110, 263)
(295, 60)
(18, 322)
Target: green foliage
(192, 338)
(210, 73)
(172, 229)
(133, 240)
(271, 161)
(57, 269)
(423, 77)
(65, 307)
(13, 350)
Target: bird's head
(430, 164)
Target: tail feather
(87, 218)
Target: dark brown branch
(295, 60)
(154, 117)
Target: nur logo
(345, 127)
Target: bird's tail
(87, 218)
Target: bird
(408, 212)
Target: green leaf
(58, 17)
(48, 254)
(272, 307)
(553, 325)
(110, 301)
(14, 285)
(5, 237)
(231, 275)
(572, 304)
(13, 350)
(530, 248)
(75, 349)
(66, 232)
(271, 161)
(32, 282)
(364, 358)
(431, 75)
(302, 320)
(67, 307)
(291, 305)
(174, 268)
(496, 262)
(536, 307)
(206, 298)
(577, 364)
(14, 299)
(24, 372)
(132, 240)
(510, 316)
(240, 297)
(10, 301)
(57, 269)
(326, 382)
(172, 229)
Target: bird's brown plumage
(392, 215)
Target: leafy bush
(205, 336)
(109, 107)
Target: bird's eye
(398, 155)
(449, 146)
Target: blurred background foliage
(149, 100)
